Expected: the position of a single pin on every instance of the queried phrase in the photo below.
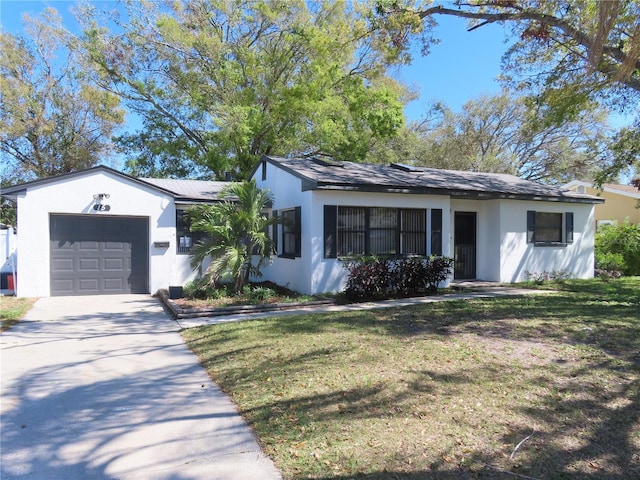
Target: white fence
(8, 243)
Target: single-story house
(99, 231)
(497, 227)
(622, 202)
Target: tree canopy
(565, 54)
(504, 134)
(52, 120)
(219, 83)
(583, 47)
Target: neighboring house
(99, 231)
(498, 227)
(621, 201)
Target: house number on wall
(101, 208)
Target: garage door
(93, 255)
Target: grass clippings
(12, 309)
(544, 387)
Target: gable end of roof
(16, 189)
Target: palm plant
(236, 240)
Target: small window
(185, 238)
(291, 240)
(549, 228)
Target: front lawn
(542, 387)
(12, 309)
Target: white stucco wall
(503, 253)
(74, 195)
(312, 273)
(328, 274)
(286, 192)
(517, 256)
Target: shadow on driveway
(104, 387)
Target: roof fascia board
(580, 183)
(577, 183)
(455, 194)
(199, 201)
(99, 168)
(622, 192)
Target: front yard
(12, 309)
(533, 387)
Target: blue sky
(462, 66)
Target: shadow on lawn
(599, 321)
(432, 474)
(612, 417)
(606, 451)
(587, 420)
(584, 431)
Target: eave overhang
(308, 184)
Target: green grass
(445, 390)
(12, 309)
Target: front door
(464, 245)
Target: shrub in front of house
(368, 278)
(201, 289)
(618, 249)
(372, 278)
(609, 265)
(539, 278)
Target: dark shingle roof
(322, 175)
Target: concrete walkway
(104, 388)
(481, 290)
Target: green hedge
(618, 249)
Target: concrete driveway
(103, 387)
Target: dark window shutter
(275, 227)
(298, 231)
(436, 231)
(330, 231)
(568, 219)
(531, 226)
